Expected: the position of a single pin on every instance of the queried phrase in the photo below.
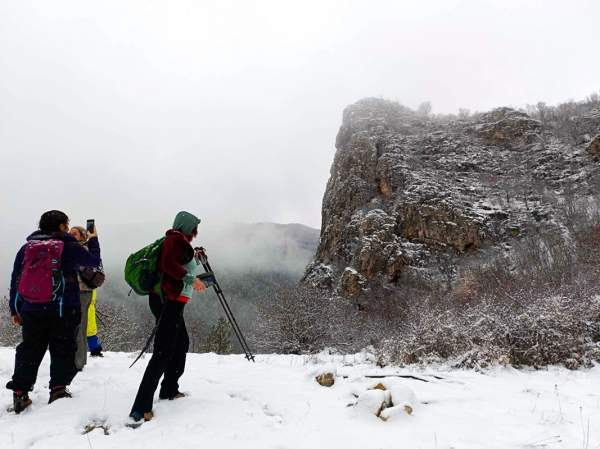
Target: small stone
(325, 379)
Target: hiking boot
(177, 395)
(20, 401)
(96, 353)
(138, 416)
(59, 393)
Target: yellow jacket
(92, 328)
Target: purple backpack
(41, 275)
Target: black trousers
(171, 344)
(44, 330)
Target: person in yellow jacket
(92, 329)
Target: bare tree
(424, 109)
(464, 113)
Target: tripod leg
(236, 327)
(233, 323)
(230, 317)
(146, 346)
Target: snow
(371, 402)
(276, 403)
(351, 270)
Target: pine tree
(219, 338)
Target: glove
(188, 279)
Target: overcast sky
(127, 111)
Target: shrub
(218, 339)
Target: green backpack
(141, 273)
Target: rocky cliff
(417, 199)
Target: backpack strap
(62, 294)
(16, 303)
(17, 295)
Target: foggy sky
(128, 111)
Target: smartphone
(90, 225)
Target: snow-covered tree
(219, 338)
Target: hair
(82, 231)
(50, 221)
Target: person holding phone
(44, 300)
(86, 294)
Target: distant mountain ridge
(266, 246)
(304, 237)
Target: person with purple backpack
(44, 301)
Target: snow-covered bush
(218, 339)
(540, 307)
(124, 327)
(306, 320)
(552, 330)
(10, 334)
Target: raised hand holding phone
(90, 226)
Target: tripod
(203, 259)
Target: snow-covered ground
(276, 403)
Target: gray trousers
(82, 347)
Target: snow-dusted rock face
(414, 198)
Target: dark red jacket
(176, 252)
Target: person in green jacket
(178, 271)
